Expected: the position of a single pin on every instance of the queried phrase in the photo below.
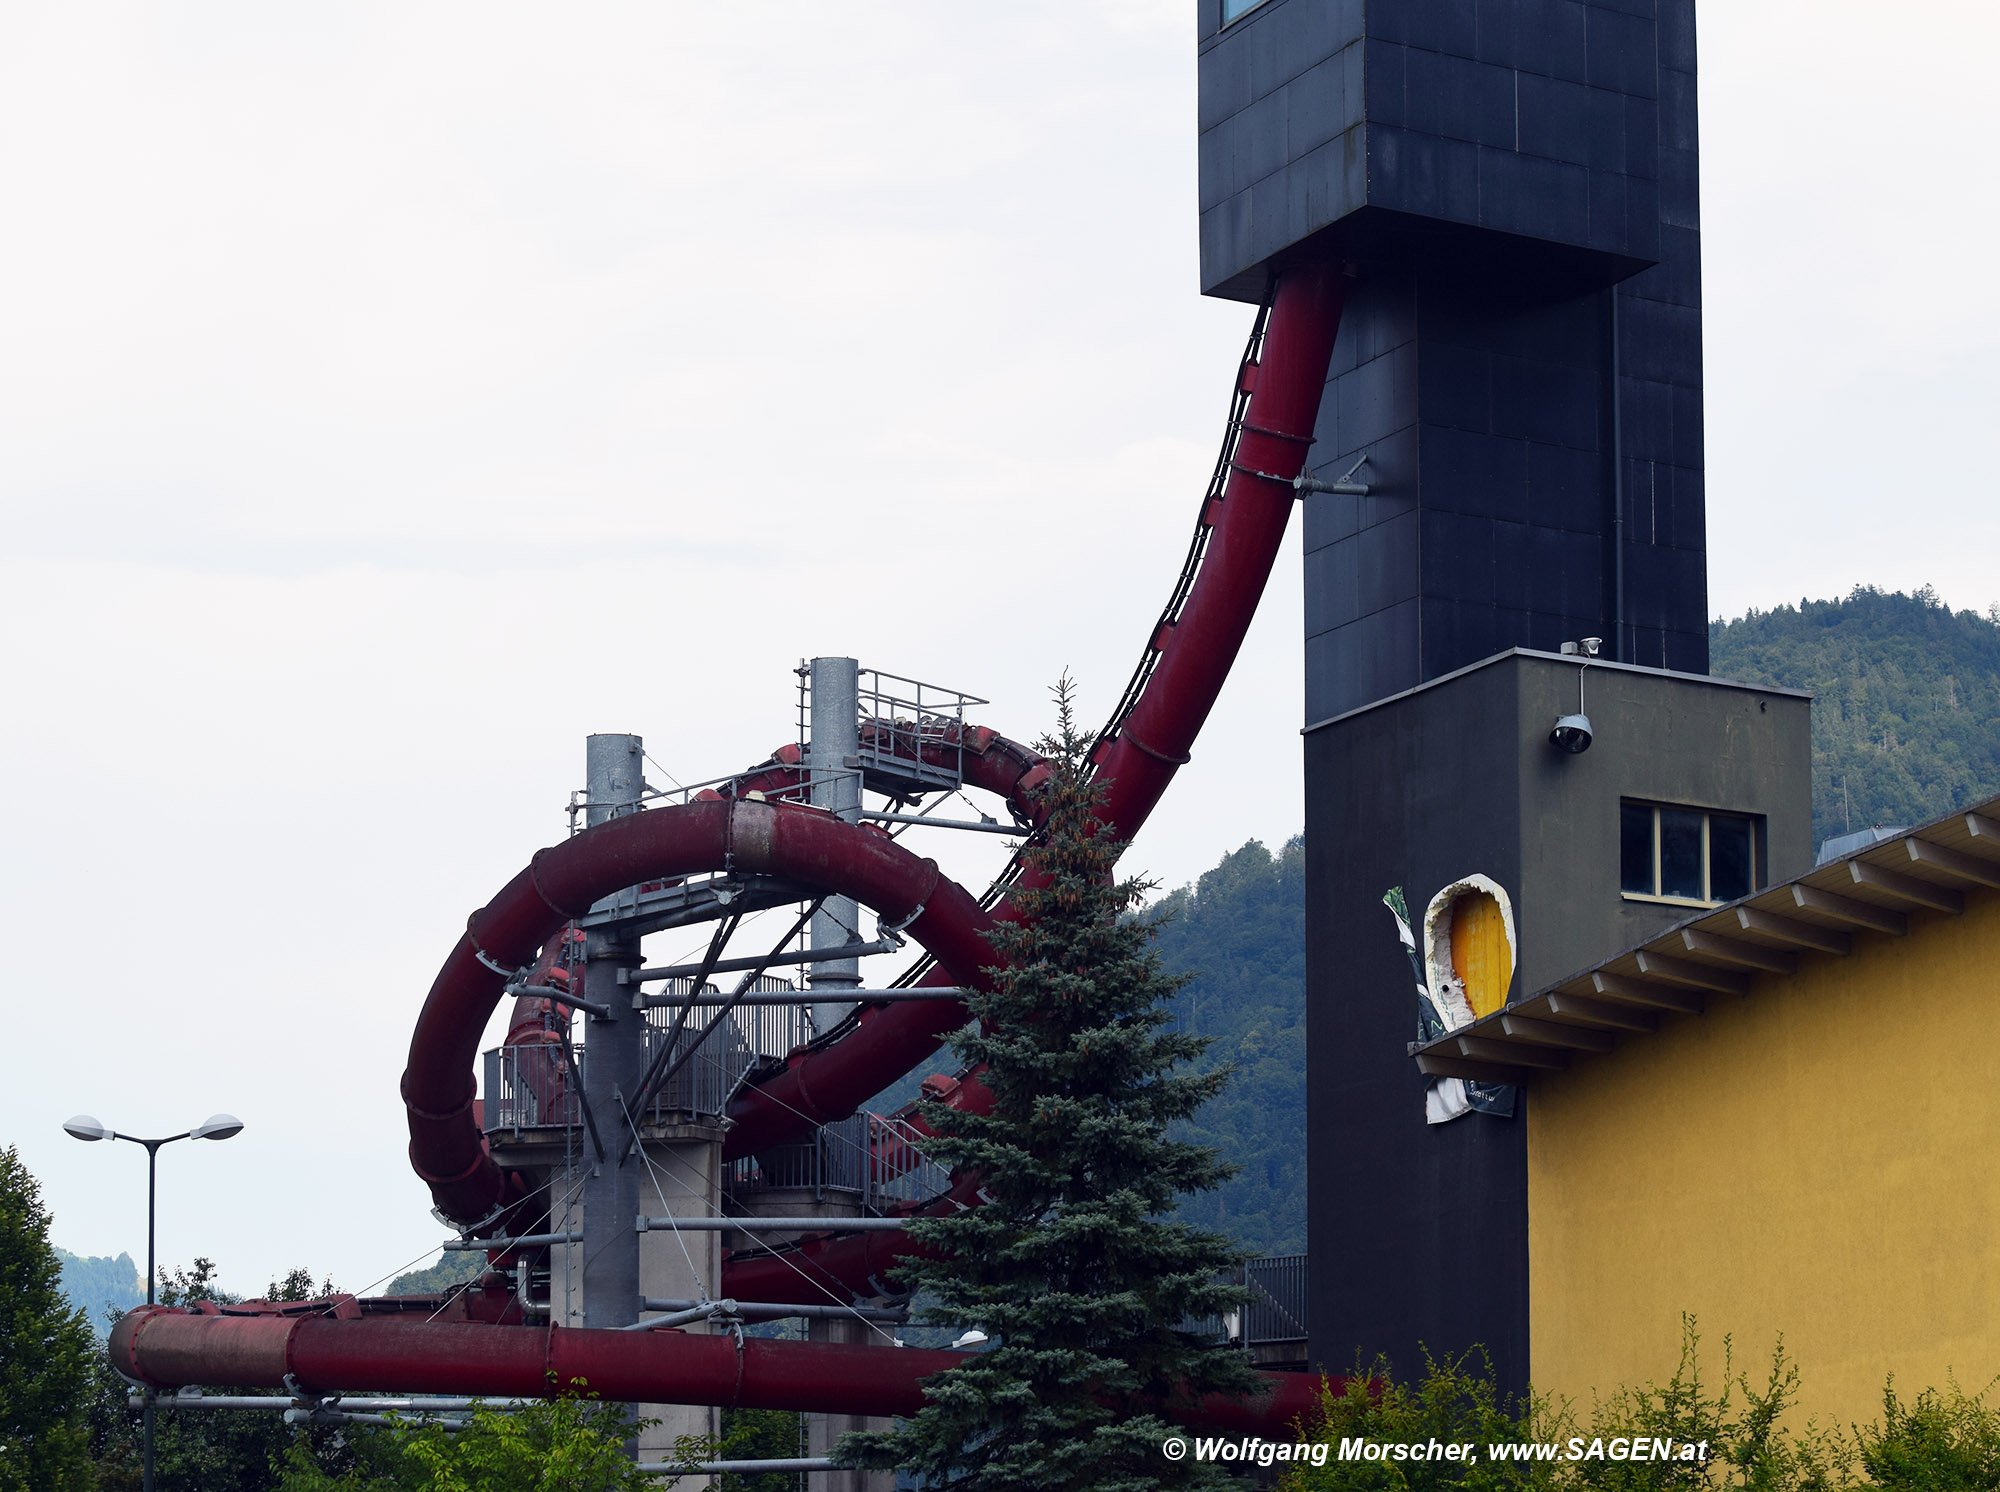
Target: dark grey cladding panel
(1370, 128)
(1483, 406)
(1415, 793)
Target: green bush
(1939, 1442)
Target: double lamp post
(215, 1127)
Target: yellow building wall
(1820, 1160)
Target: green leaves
(570, 1443)
(1940, 1442)
(46, 1349)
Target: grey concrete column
(823, 1431)
(831, 764)
(686, 1164)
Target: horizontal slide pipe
(167, 1348)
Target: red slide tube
(1195, 657)
(167, 1348)
(561, 883)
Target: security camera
(1572, 734)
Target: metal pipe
(561, 997)
(806, 997)
(760, 1310)
(772, 1224)
(831, 752)
(384, 1404)
(1621, 649)
(700, 1311)
(984, 826)
(352, 1417)
(152, 1274)
(740, 1468)
(739, 965)
(500, 1245)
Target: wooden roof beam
(1605, 1014)
(1444, 1065)
(1555, 1033)
(1516, 1053)
(1686, 971)
(1905, 888)
(1791, 930)
(1743, 955)
(1984, 831)
(1954, 863)
(1631, 991)
(1847, 909)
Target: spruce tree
(45, 1349)
(1072, 1267)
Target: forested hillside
(1906, 719)
(1239, 932)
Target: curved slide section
(561, 883)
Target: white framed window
(1233, 10)
(1689, 856)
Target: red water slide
(1188, 657)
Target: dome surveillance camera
(1572, 734)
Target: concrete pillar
(824, 1430)
(831, 757)
(687, 1167)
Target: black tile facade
(1511, 179)
(1539, 119)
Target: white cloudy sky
(390, 394)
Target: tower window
(1235, 9)
(1686, 855)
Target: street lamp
(214, 1127)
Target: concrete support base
(685, 1177)
(681, 1174)
(823, 1431)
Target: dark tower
(1514, 184)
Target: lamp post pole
(215, 1127)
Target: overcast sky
(391, 394)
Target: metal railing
(900, 718)
(877, 1160)
(1273, 1313)
(532, 1087)
(1276, 1310)
(528, 1087)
